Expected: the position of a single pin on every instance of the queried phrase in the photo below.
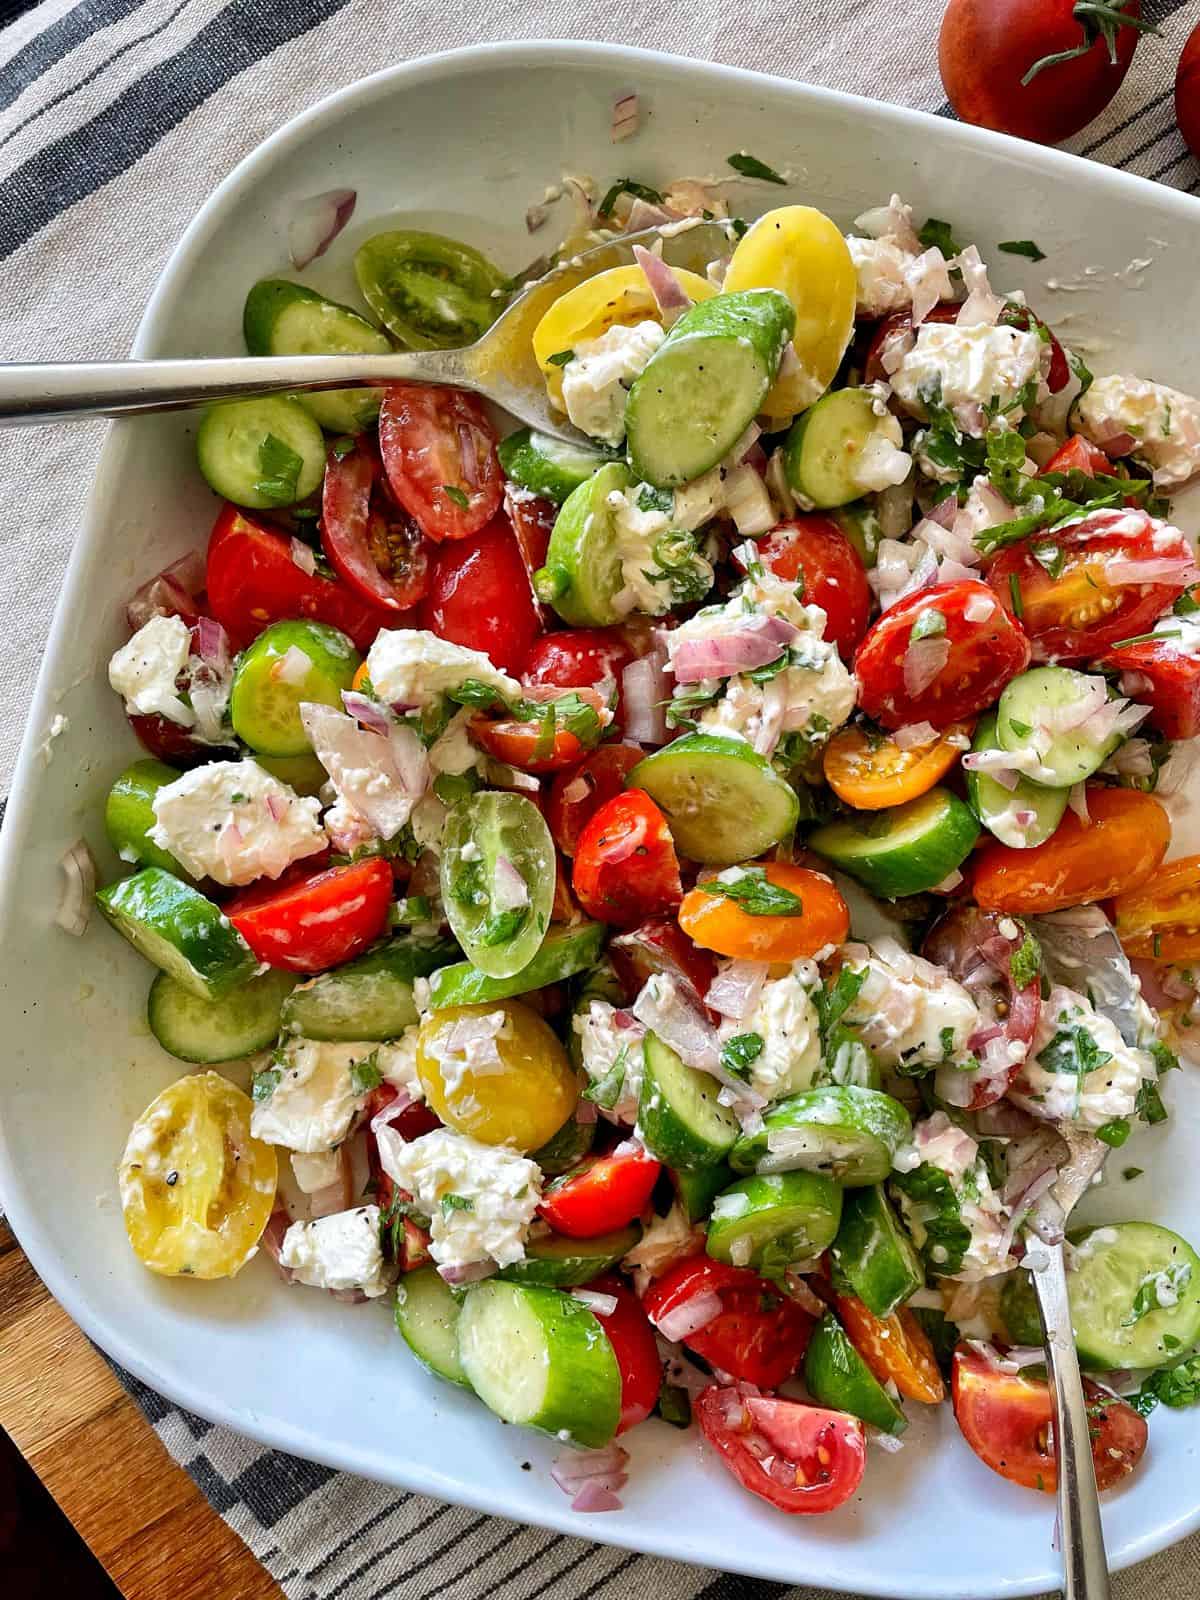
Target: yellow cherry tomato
(620, 296)
(799, 251)
(501, 1082)
(196, 1186)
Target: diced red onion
(1112, 438)
(625, 118)
(924, 661)
(644, 215)
(1153, 569)
(928, 279)
(391, 1112)
(316, 223)
(79, 887)
(271, 1240)
(669, 296)
(509, 889)
(596, 1497)
(895, 347)
(369, 712)
(586, 1112)
(798, 1290)
(601, 1305)
(535, 218)
(913, 735)
(750, 644)
(170, 593)
(212, 644)
(978, 608)
(684, 1320)
(357, 759)
(277, 806)
(468, 455)
(304, 556)
(466, 1272)
(229, 842)
(992, 1356)
(982, 306)
(1077, 800)
(1004, 1120)
(734, 992)
(645, 688)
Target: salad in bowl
(682, 904)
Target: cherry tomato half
(869, 771)
(533, 522)
(957, 668)
(439, 450)
(375, 546)
(632, 1338)
(600, 1195)
(479, 596)
(897, 329)
(1098, 596)
(626, 868)
(252, 580)
(1113, 853)
(576, 795)
(1158, 674)
(175, 745)
(1078, 455)
(759, 1336)
(579, 658)
(315, 922)
(523, 744)
(896, 1348)
(801, 1459)
(660, 945)
(1161, 920)
(720, 924)
(815, 550)
(1007, 1419)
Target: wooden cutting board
(142, 1516)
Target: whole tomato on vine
(1187, 92)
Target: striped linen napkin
(117, 118)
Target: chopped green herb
(459, 496)
(674, 1405)
(1173, 1386)
(1149, 1292)
(1022, 247)
(1149, 1105)
(738, 1053)
(639, 191)
(651, 499)
(1026, 962)
(456, 1202)
(1114, 1133)
(1147, 638)
(752, 891)
(939, 235)
(1165, 1059)
(1129, 1173)
(930, 624)
(280, 467)
(835, 999)
(1052, 557)
(561, 357)
(343, 447)
(1073, 1050)
(265, 1084)
(1187, 604)
(606, 1091)
(1014, 589)
(365, 1075)
(752, 167)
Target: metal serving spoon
(500, 366)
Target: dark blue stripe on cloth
(76, 165)
(58, 40)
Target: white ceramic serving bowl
(464, 143)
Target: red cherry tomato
(439, 450)
(988, 46)
(759, 1336)
(632, 1338)
(815, 549)
(523, 745)
(602, 1194)
(533, 522)
(1078, 455)
(252, 581)
(1007, 1419)
(1091, 604)
(1187, 92)
(1161, 676)
(316, 922)
(801, 1459)
(661, 945)
(626, 868)
(577, 794)
(173, 744)
(978, 657)
(479, 597)
(895, 327)
(579, 658)
(375, 546)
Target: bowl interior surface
(450, 144)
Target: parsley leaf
(560, 358)
(471, 692)
(639, 191)
(365, 1075)
(1114, 1133)
(739, 1052)
(1026, 962)
(459, 496)
(752, 167)
(1149, 1105)
(936, 234)
(1022, 247)
(265, 1084)
(651, 499)
(1149, 1292)
(835, 999)
(1173, 1386)
(606, 1091)
(933, 1205)
(1072, 1050)
(280, 467)
(456, 1202)
(754, 894)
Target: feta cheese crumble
(339, 1252)
(970, 368)
(233, 822)
(413, 668)
(785, 1019)
(646, 585)
(605, 1050)
(908, 1011)
(1080, 1070)
(143, 672)
(1163, 423)
(397, 1061)
(314, 1100)
(596, 384)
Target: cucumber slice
(227, 1029)
(998, 808)
(705, 384)
(304, 774)
(582, 576)
(1122, 1281)
(566, 1149)
(859, 521)
(874, 1254)
(540, 1359)
(723, 801)
(265, 701)
(557, 1262)
(680, 1119)
(837, 1376)
(371, 998)
(564, 952)
(179, 930)
(547, 466)
(851, 1134)
(1072, 756)
(823, 452)
(901, 851)
(696, 1188)
(770, 1222)
(287, 319)
(129, 816)
(487, 839)
(261, 453)
(427, 1318)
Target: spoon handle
(45, 391)
(1084, 1560)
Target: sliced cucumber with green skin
(851, 1134)
(998, 808)
(582, 576)
(427, 1318)
(540, 1359)
(209, 1031)
(370, 998)
(904, 850)
(1121, 1280)
(874, 1254)
(724, 802)
(770, 1222)
(129, 816)
(556, 1262)
(261, 453)
(564, 952)
(304, 774)
(837, 1376)
(489, 843)
(679, 1117)
(286, 319)
(824, 450)
(179, 930)
(696, 1188)
(859, 521)
(567, 1148)
(547, 466)
(705, 384)
(1071, 756)
(268, 691)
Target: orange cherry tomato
(896, 1348)
(868, 770)
(719, 923)
(1112, 854)
(1161, 920)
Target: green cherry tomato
(430, 292)
(498, 872)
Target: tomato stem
(1098, 20)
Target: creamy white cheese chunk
(880, 266)
(233, 822)
(604, 1046)
(316, 1097)
(1079, 1069)
(143, 672)
(646, 586)
(785, 1019)
(1163, 423)
(596, 383)
(340, 1252)
(969, 368)
(414, 668)
(909, 1012)
(397, 1061)
(318, 1171)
